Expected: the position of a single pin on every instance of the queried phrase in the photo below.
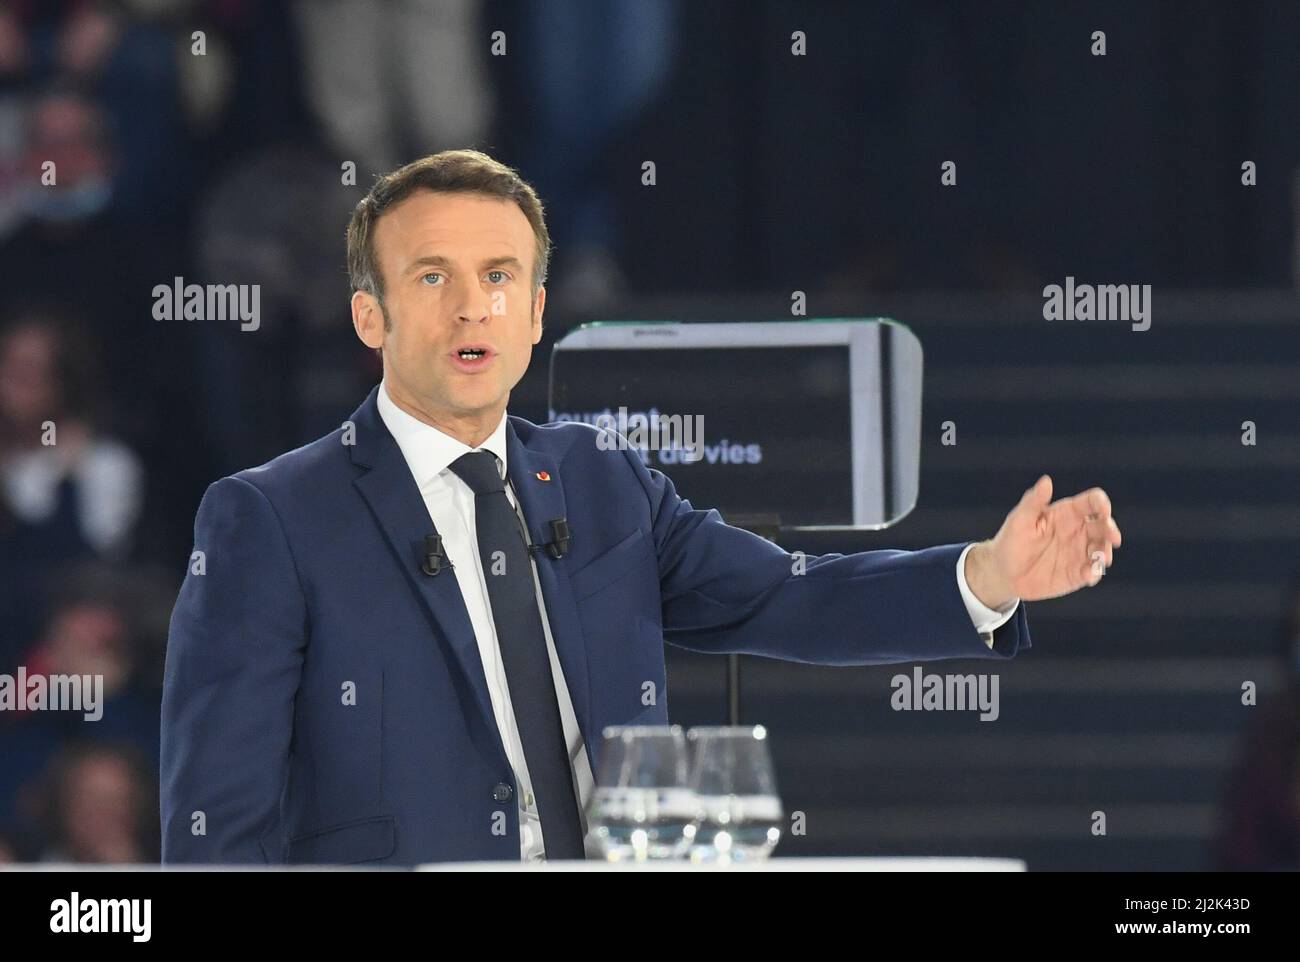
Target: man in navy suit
(344, 687)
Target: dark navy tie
(523, 652)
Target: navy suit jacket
(324, 700)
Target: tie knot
(479, 470)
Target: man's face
(29, 389)
(457, 272)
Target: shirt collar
(428, 451)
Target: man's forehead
(454, 223)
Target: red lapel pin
(543, 476)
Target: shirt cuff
(986, 620)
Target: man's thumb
(1039, 494)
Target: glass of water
(740, 812)
(642, 806)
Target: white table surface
(771, 865)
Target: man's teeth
(472, 354)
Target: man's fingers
(1113, 529)
(1094, 568)
(1090, 507)
(1099, 501)
(1100, 555)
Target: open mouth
(473, 357)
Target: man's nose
(473, 303)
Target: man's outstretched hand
(1045, 549)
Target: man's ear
(368, 319)
(539, 307)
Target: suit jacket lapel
(395, 500)
(540, 489)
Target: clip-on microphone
(435, 556)
(558, 546)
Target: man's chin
(467, 405)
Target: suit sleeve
(234, 660)
(725, 589)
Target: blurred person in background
(67, 169)
(628, 45)
(99, 628)
(388, 80)
(46, 377)
(68, 492)
(1259, 824)
(96, 801)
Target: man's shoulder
(553, 437)
(303, 470)
(574, 441)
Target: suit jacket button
(502, 792)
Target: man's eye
(426, 277)
(504, 276)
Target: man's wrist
(983, 579)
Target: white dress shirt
(450, 502)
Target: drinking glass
(642, 807)
(740, 813)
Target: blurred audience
(107, 624)
(121, 56)
(72, 249)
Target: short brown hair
(453, 172)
